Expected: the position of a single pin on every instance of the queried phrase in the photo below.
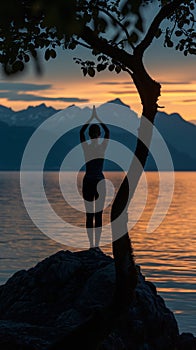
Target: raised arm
(105, 128)
(83, 129)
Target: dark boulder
(67, 302)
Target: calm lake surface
(167, 256)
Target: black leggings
(94, 201)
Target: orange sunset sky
(63, 84)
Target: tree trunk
(126, 274)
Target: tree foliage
(26, 26)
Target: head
(94, 131)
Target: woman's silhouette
(93, 188)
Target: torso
(94, 158)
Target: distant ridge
(17, 127)
(118, 101)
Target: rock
(186, 341)
(67, 299)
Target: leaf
(72, 46)
(183, 41)
(158, 33)
(168, 42)
(95, 52)
(31, 47)
(181, 47)
(118, 69)
(133, 38)
(101, 67)
(18, 66)
(87, 17)
(90, 63)
(91, 72)
(34, 53)
(102, 24)
(52, 53)
(139, 24)
(47, 54)
(126, 23)
(178, 32)
(192, 51)
(187, 21)
(111, 67)
(180, 24)
(26, 58)
(84, 70)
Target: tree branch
(163, 13)
(92, 39)
(81, 44)
(117, 22)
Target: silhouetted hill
(32, 116)
(177, 132)
(119, 102)
(12, 144)
(17, 127)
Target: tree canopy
(113, 31)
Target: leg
(99, 204)
(98, 227)
(89, 228)
(88, 202)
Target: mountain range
(16, 127)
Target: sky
(62, 83)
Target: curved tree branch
(92, 39)
(81, 44)
(129, 60)
(117, 22)
(162, 14)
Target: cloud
(176, 82)
(14, 91)
(130, 82)
(179, 90)
(18, 91)
(13, 86)
(125, 92)
(132, 92)
(114, 83)
(189, 101)
(12, 96)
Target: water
(166, 256)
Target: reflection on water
(166, 256)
